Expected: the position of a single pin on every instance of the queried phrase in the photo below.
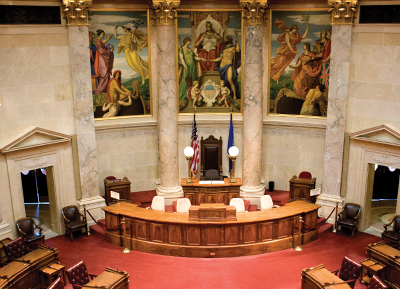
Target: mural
(209, 61)
(120, 63)
(300, 62)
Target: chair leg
(71, 236)
(87, 233)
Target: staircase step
(325, 227)
(320, 220)
(97, 231)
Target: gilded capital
(254, 12)
(76, 11)
(342, 11)
(164, 12)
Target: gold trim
(255, 13)
(342, 11)
(164, 12)
(76, 12)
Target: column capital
(254, 12)
(342, 11)
(164, 12)
(76, 11)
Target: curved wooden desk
(173, 234)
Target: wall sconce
(76, 11)
(342, 11)
(233, 153)
(189, 152)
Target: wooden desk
(300, 189)
(389, 257)
(121, 186)
(174, 234)
(212, 213)
(48, 273)
(215, 193)
(320, 278)
(110, 279)
(371, 267)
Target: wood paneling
(249, 233)
(193, 236)
(267, 231)
(232, 235)
(156, 231)
(175, 234)
(140, 229)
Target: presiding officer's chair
(376, 283)
(73, 221)
(78, 275)
(26, 227)
(348, 218)
(392, 237)
(15, 249)
(349, 271)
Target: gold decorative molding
(76, 11)
(342, 11)
(254, 12)
(164, 12)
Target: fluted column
(164, 16)
(254, 15)
(342, 18)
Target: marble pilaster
(337, 107)
(83, 109)
(167, 114)
(252, 115)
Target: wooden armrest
(92, 276)
(21, 232)
(37, 226)
(65, 218)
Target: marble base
(328, 203)
(5, 231)
(252, 191)
(170, 194)
(93, 205)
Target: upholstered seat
(238, 203)
(183, 205)
(376, 283)
(26, 227)
(305, 175)
(57, 284)
(211, 175)
(15, 249)
(158, 203)
(349, 271)
(73, 221)
(348, 218)
(78, 275)
(266, 202)
(392, 237)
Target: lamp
(76, 11)
(189, 152)
(233, 153)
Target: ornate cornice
(254, 12)
(342, 11)
(164, 12)
(76, 11)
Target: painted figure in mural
(188, 66)
(223, 97)
(115, 90)
(92, 47)
(306, 72)
(227, 64)
(287, 51)
(132, 41)
(325, 57)
(208, 46)
(194, 94)
(138, 106)
(314, 96)
(115, 106)
(103, 63)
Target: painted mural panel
(209, 57)
(300, 62)
(120, 63)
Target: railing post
(298, 248)
(123, 224)
(334, 230)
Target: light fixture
(233, 153)
(189, 152)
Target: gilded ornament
(254, 13)
(164, 12)
(76, 12)
(342, 11)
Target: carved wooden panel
(112, 221)
(175, 234)
(211, 198)
(311, 220)
(231, 235)
(231, 196)
(156, 232)
(249, 233)
(140, 229)
(267, 231)
(193, 236)
(284, 228)
(212, 236)
(223, 198)
(129, 227)
(200, 198)
(191, 197)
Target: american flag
(194, 165)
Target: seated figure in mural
(224, 94)
(208, 47)
(103, 63)
(194, 94)
(115, 106)
(115, 90)
(314, 96)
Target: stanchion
(298, 248)
(87, 223)
(126, 249)
(334, 230)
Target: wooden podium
(212, 213)
(121, 186)
(300, 189)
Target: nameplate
(211, 182)
(114, 195)
(315, 192)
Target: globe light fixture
(233, 153)
(189, 152)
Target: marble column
(336, 119)
(169, 187)
(84, 121)
(252, 110)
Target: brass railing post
(298, 248)
(125, 249)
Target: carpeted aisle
(271, 270)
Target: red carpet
(271, 270)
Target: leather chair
(238, 203)
(78, 275)
(306, 175)
(211, 175)
(158, 204)
(349, 271)
(392, 237)
(376, 283)
(15, 249)
(73, 222)
(26, 227)
(348, 218)
(57, 284)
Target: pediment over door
(36, 138)
(385, 134)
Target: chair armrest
(359, 212)
(388, 224)
(20, 231)
(37, 226)
(65, 218)
(335, 272)
(92, 276)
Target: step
(325, 227)
(96, 230)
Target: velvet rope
(100, 224)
